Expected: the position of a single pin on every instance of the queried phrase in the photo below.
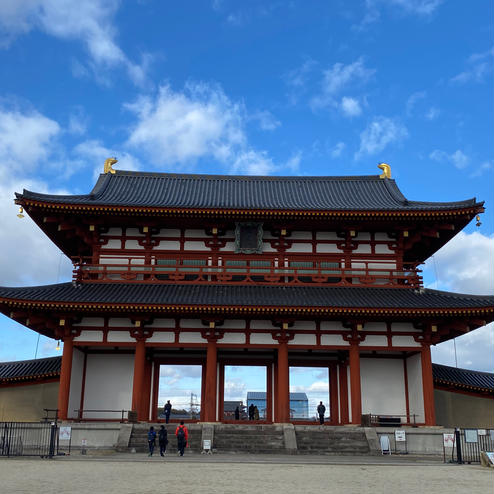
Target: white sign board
(400, 436)
(65, 432)
(206, 444)
(471, 436)
(84, 442)
(482, 432)
(448, 440)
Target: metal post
(53, 432)
(458, 446)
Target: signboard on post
(448, 440)
(65, 433)
(206, 446)
(400, 436)
(471, 436)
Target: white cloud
(465, 264)
(338, 148)
(413, 100)
(181, 127)
(350, 107)
(421, 8)
(89, 21)
(479, 66)
(266, 120)
(459, 159)
(338, 78)
(381, 132)
(482, 168)
(253, 163)
(433, 113)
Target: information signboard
(448, 440)
(471, 436)
(400, 436)
(65, 433)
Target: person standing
(321, 410)
(237, 413)
(251, 411)
(163, 440)
(256, 413)
(182, 437)
(167, 410)
(151, 440)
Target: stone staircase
(263, 439)
(233, 438)
(331, 440)
(139, 437)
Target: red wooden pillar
(343, 379)
(210, 388)
(428, 385)
(65, 373)
(333, 395)
(283, 384)
(146, 393)
(355, 384)
(139, 364)
(156, 385)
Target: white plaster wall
(112, 243)
(333, 339)
(401, 327)
(331, 248)
(309, 325)
(162, 323)
(191, 323)
(415, 389)
(169, 245)
(113, 231)
(234, 324)
(90, 336)
(363, 249)
(363, 236)
(375, 326)
(91, 321)
(383, 386)
(333, 326)
(303, 339)
(301, 235)
(134, 232)
(195, 246)
(234, 338)
(266, 247)
(407, 341)
(375, 340)
(120, 336)
(327, 236)
(300, 248)
(381, 236)
(108, 384)
(196, 233)
(383, 249)
(169, 232)
(255, 324)
(120, 321)
(230, 246)
(162, 337)
(133, 244)
(76, 377)
(262, 339)
(191, 338)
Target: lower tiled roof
(247, 295)
(26, 370)
(463, 378)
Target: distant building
(299, 404)
(229, 409)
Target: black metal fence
(472, 443)
(29, 439)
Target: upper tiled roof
(166, 190)
(26, 370)
(463, 378)
(247, 295)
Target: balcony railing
(241, 270)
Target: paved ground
(239, 474)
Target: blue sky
(275, 88)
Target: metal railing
(125, 415)
(472, 443)
(28, 439)
(266, 269)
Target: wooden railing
(241, 270)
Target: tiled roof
(166, 190)
(261, 395)
(246, 295)
(463, 378)
(27, 370)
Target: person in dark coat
(167, 410)
(151, 440)
(251, 411)
(163, 440)
(182, 437)
(321, 410)
(237, 413)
